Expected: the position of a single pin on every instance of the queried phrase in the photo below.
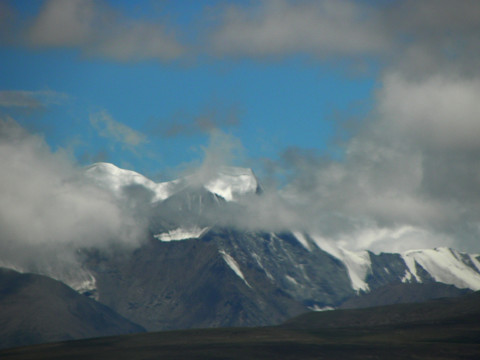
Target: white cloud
(439, 111)
(416, 165)
(48, 209)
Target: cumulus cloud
(409, 177)
(109, 128)
(414, 166)
(440, 111)
(99, 31)
(49, 210)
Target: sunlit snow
(115, 179)
(181, 234)
(444, 265)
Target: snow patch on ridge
(181, 234)
(319, 309)
(234, 266)
(444, 265)
(358, 264)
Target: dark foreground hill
(36, 309)
(441, 329)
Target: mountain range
(198, 266)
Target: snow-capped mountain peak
(229, 182)
(114, 179)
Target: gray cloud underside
(418, 35)
(98, 30)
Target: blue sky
(268, 104)
(365, 112)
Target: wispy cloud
(31, 99)
(209, 119)
(99, 31)
(109, 128)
